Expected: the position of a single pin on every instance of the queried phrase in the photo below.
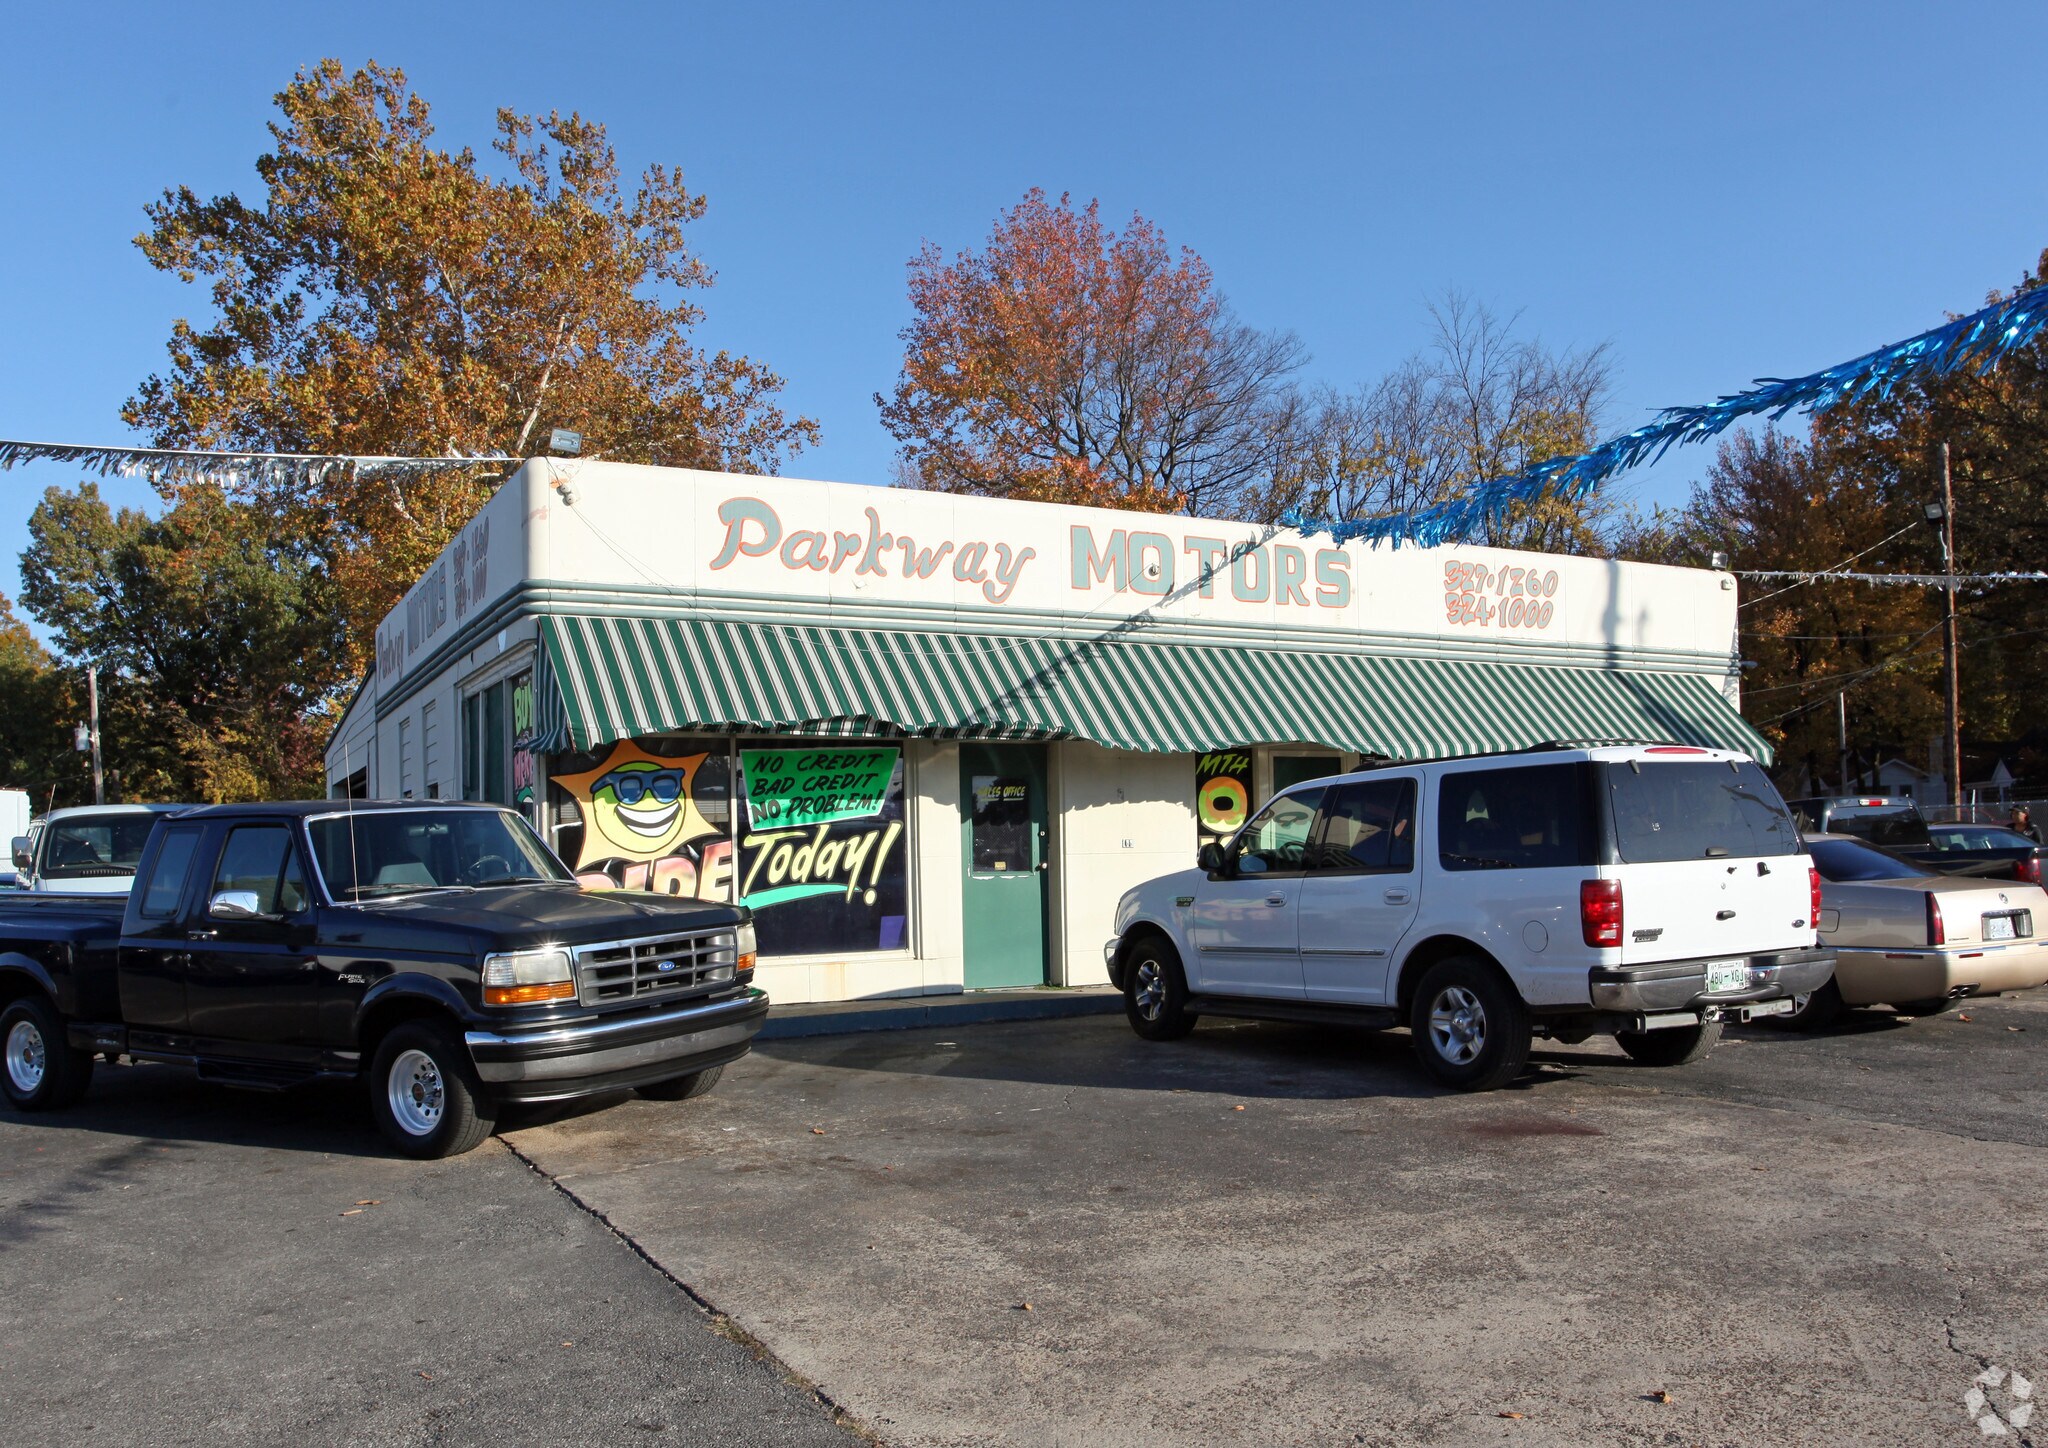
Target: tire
(1673, 1046)
(425, 1096)
(39, 1071)
(1924, 1008)
(1156, 989)
(1471, 1028)
(683, 1088)
(1816, 1010)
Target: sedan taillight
(2028, 869)
(1600, 912)
(1937, 933)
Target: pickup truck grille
(662, 966)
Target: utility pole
(92, 706)
(1842, 736)
(1948, 635)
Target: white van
(1650, 891)
(15, 812)
(90, 850)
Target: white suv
(1647, 890)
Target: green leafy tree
(385, 294)
(215, 627)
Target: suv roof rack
(1546, 747)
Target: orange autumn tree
(1066, 362)
(384, 294)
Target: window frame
(1234, 851)
(291, 857)
(146, 872)
(1407, 800)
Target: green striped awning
(620, 677)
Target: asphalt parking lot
(1262, 1234)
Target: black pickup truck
(1894, 824)
(438, 952)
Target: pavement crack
(720, 1321)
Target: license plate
(1727, 975)
(1998, 927)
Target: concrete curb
(840, 1018)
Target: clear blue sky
(1717, 192)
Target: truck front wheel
(1471, 1028)
(424, 1093)
(683, 1088)
(41, 1072)
(1155, 990)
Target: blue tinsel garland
(1979, 340)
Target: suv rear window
(1531, 818)
(1672, 811)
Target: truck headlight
(528, 977)
(744, 941)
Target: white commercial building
(931, 739)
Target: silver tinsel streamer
(1977, 341)
(258, 468)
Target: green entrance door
(1002, 843)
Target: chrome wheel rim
(28, 1058)
(416, 1093)
(1148, 989)
(1800, 1001)
(1457, 1025)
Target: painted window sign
(815, 786)
(522, 739)
(1000, 830)
(824, 861)
(1499, 597)
(1223, 792)
(811, 836)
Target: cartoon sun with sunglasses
(636, 805)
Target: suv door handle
(202, 934)
(1276, 899)
(1397, 897)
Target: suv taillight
(1813, 897)
(1600, 912)
(1937, 933)
(2028, 869)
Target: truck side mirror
(1210, 858)
(235, 905)
(21, 856)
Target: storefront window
(824, 858)
(1223, 792)
(811, 834)
(647, 814)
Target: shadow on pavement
(1251, 1059)
(159, 1103)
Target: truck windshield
(397, 852)
(1707, 811)
(89, 847)
(1889, 827)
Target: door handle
(1724, 915)
(1276, 899)
(201, 934)
(1397, 897)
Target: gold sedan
(1917, 940)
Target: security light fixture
(81, 738)
(1717, 559)
(1933, 513)
(566, 443)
